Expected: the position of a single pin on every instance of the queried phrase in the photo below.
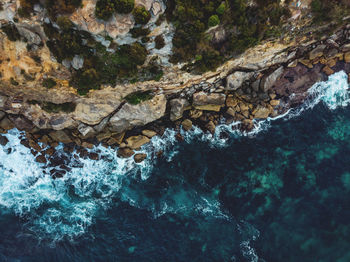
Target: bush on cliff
(124, 6)
(104, 9)
(141, 15)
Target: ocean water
(278, 193)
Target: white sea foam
(66, 207)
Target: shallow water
(280, 193)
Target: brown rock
(41, 159)
(140, 157)
(231, 102)
(149, 133)
(186, 124)
(137, 141)
(93, 156)
(60, 136)
(306, 63)
(328, 70)
(211, 127)
(50, 151)
(317, 52)
(34, 145)
(125, 152)
(178, 106)
(331, 62)
(6, 124)
(179, 137)
(87, 145)
(230, 111)
(347, 57)
(209, 102)
(274, 102)
(261, 112)
(195, 113)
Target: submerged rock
(3, 140)
(125, 152)
(140, 157)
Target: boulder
(274, 102)
(91, 112)
(208, 102)
(149, 133)
(3, 140)
(186, 124)
(125, 152)
(231, 101)
(347, 57)
(135, 142)
(130, 116)
(195, 113)
(270, 80)
(41, 159)
(261, 112)
(230, 111)
(317, 52)
(60, 136)
(211, 127)
(177, 107)
(6, 124)
(235, 80)
(328, 71)
(140, 157)
(85, 130)
(77, 62)
(31, 37)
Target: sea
(278, 193)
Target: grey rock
(31, 37)
(235, 80)
(201, 99)
(269, 81)
(177, 107)
(86, 130)
(77, 62)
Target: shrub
(160, 43)
(104, 9)
(124, 6)
(221, 9)
(139, 31)
(64, 23)
(49, 83)
(141, 15)
(214, 20)
(138, 97)
(58, 7)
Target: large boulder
(31, 37)
(209, 102)
(235, 80)
(135, 142)
(130, 116)
(270, 80)
(317, 52)
(178, 106)
(60, 136)
(262, 112)
(91, 112)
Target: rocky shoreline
(264, 82)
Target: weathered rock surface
(140, 157)
(235, 80)
(125, 152)
(135, 142)
(268, 82)
(186, 124)
(130, 116)
(209, 102)
(178, 106)
(92, 112)
(60, 136)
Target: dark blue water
(281, 194)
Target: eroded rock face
(269, 81)
(208, 102)
(130, 116)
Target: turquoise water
(279, 193)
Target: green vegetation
(160, 43)
(326, 11)
(221, 9)
(214, 20)
(141, 15)
(138, 97)
(49, 107)
(139, 32)
(49, 83)
(105, 8)
(124, 6)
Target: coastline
(244, 89)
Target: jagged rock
(328, 71)
(261, 112)
(2, 101)
(125, 152)
(41, 159)
(235, 80)
(177, 107)
(274, 102)
(130, 116)
(195, 113)
(60, 136)
(21, 122)
(87, 145)
(86, 131)
(211, 127)
(34, 145)
(91, 112)
(140, 157)
(231, 101)
(135, 142)
(317, 52)
(186, 124)
(270, 80)
(345, 48)
(149, 133)
(156, 8)
(3, 140)
(230, 111)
